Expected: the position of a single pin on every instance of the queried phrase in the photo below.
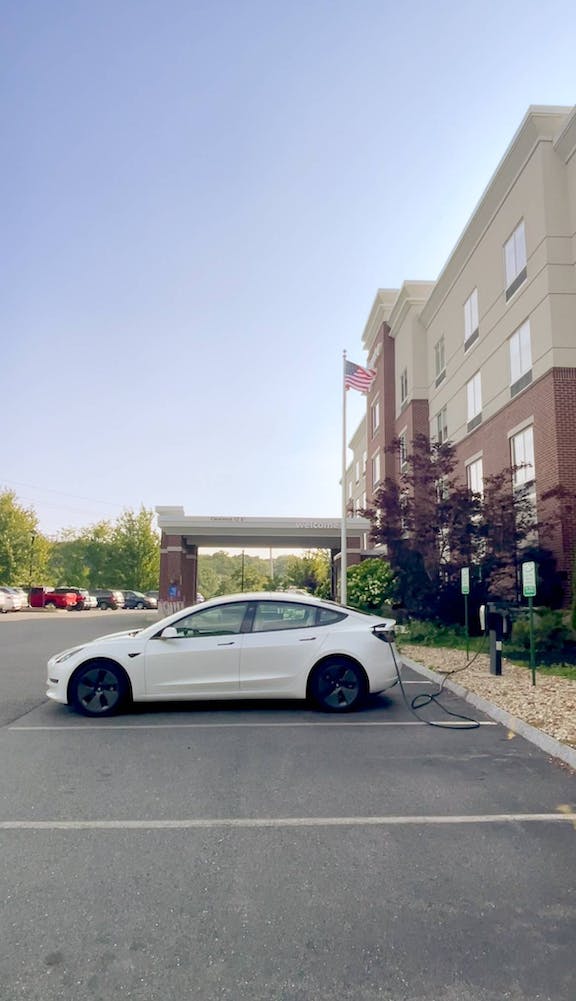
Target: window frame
(471, 319)
(474, 396)
(442, 425)
(403, 386)
(374, 416)
(520, 357)
(440, 360)
(515, 260)
(521, 476)
(472, 467)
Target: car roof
(304, 599)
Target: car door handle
(307, 639)
(230, 643)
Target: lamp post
(32, 541)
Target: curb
(546, 743)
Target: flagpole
(343, 541)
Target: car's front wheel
(338, 685)
(99, 688)
(140, 604)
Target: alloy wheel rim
(339, 686)
(98, 690)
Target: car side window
(327, 616)
(224, 620)
(276, 615)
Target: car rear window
(327, 616)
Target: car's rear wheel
(103, 605)
(140, 604)
(338, 686)
(99, 689)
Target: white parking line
(98, 727)
(276, 822)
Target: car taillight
(385, 633)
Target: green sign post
(465, 589)
(529, 591)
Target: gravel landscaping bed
(550, 705)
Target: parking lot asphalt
(265, 851)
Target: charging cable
(426, 698)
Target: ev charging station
(495, 618)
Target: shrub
(370, 584)
(429, 633)
(550, 632)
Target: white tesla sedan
(260, 645)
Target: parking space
(266, 851)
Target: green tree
(249, 575)
(84, 558)
(209, 581)
(370, 584)
(23, 548)
(432, 525)
(310, 572)
(135, 551)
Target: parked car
(23, 595)
(90, 601)
(4, 603)
(83, 599)
(50, 597)
(258, 645)
(135, 599)
(14, 601)
(152, 594)
(108, 598)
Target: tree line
(125, 553)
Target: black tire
(49, 604)
(99, 688)
(338, 686)
(140, 604)
(103, 605)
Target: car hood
(125, 634)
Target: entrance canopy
(275, 533)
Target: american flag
(356, 377)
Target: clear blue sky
(217, 188)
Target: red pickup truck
(46, 597)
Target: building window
(523, 478)
(442, 425)
(440, 360)
(364, 461)
(475, 477)
(522, 455)
(376, 469)
(375, 416)
(471, 319)
(357, 469)
(474, 401)
(515, 260)
(403, 386)
(402, 451)
(520, 359)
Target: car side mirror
(170, 633)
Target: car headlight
(66, 654)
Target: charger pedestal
(495, 653)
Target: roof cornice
(412, 293)
(381, 309)
(565, 141)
